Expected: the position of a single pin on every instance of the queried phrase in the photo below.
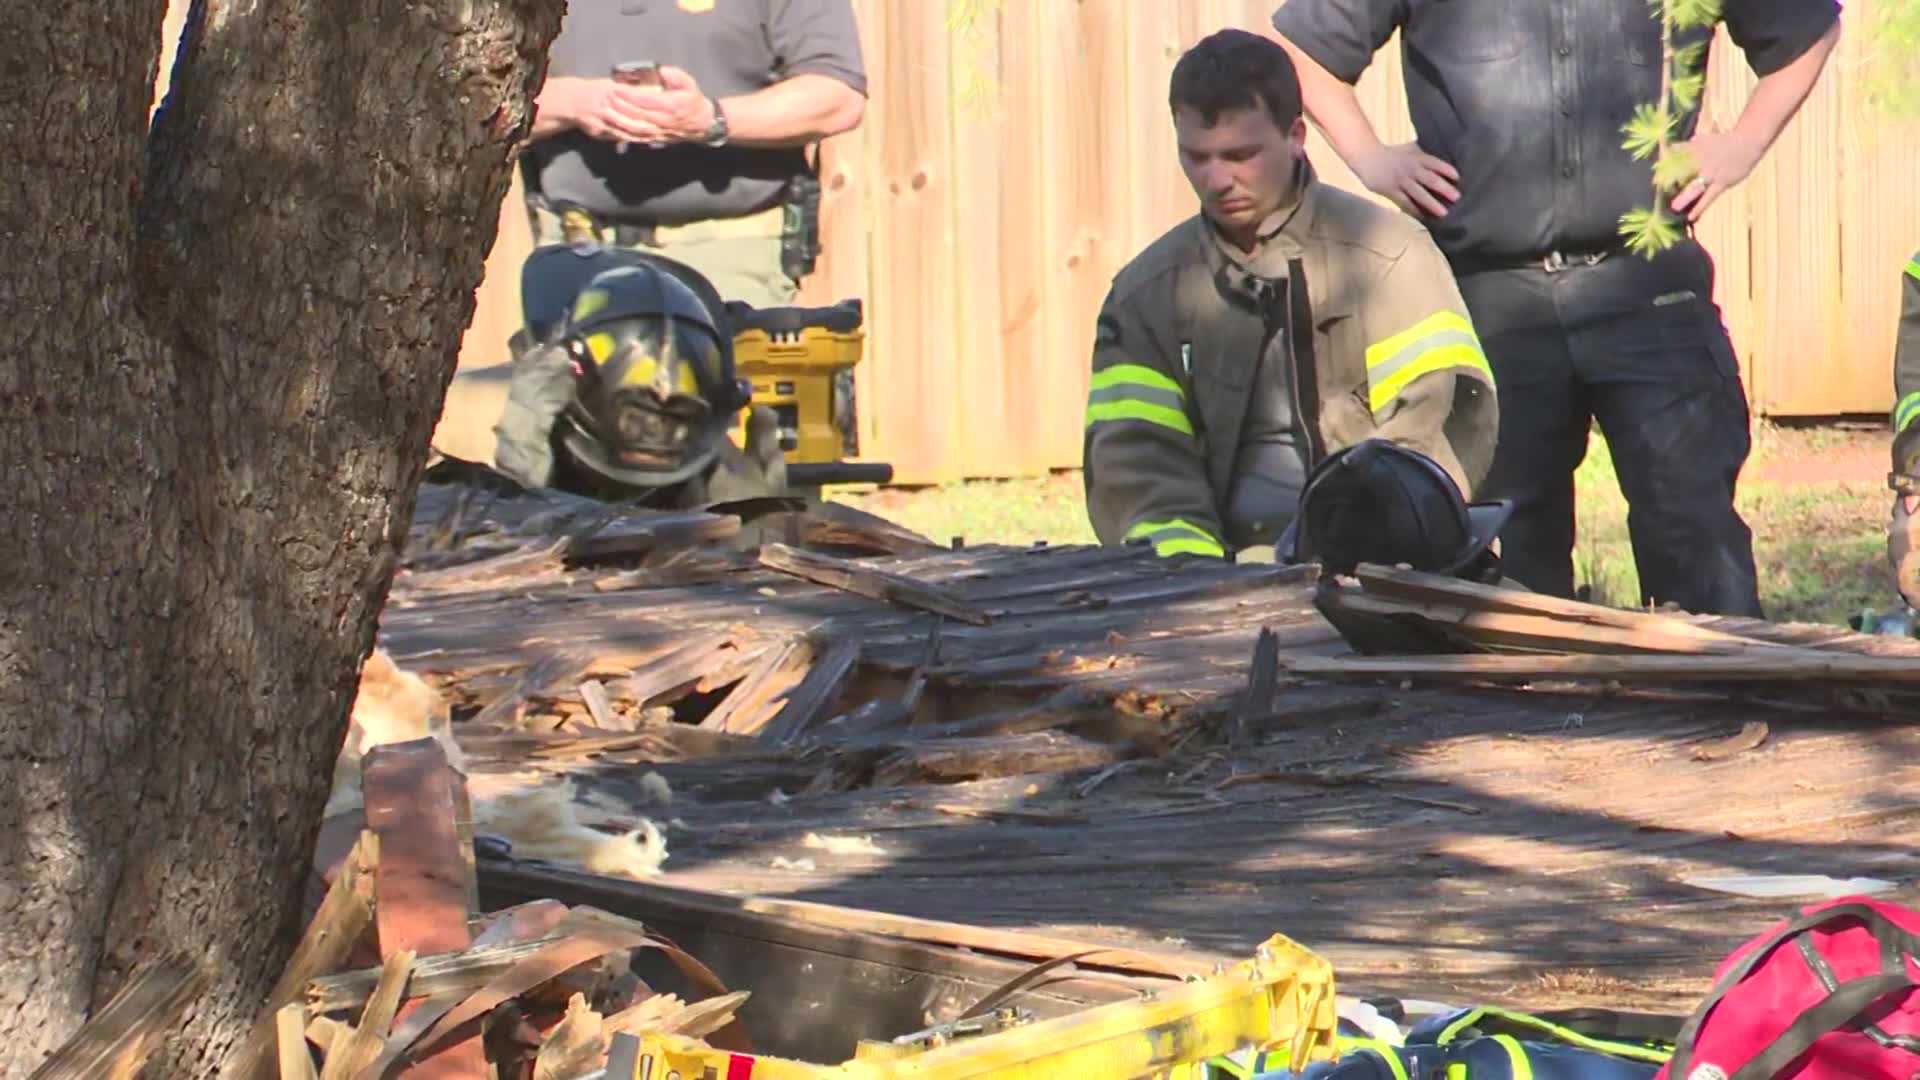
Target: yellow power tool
(799, 362)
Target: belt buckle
(1557, 261)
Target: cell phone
(638, 73)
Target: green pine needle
(1687, 90)
(1674, 168)
(1689, 57)
(1691, 14)
(1649, 232)
(1645, 131)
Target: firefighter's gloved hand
(540, 387)
(759, 470)
(1906, 457)
(1903, 547)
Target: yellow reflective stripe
(1188, 546)
(1440, 322)
(1139, 410)
(1516, 1057)
(1177, 537)
(1913, 268)
(1442, 340)
(1230, 1067)
(1456, 1071)
(1439, 359)
(1564, 1034)
(1904, 413)
(1346, 1043)
(1135, 375)
(1137, 392)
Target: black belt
(1552, 262)
(625, 233)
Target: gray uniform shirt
(732, 47)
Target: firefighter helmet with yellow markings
(654, 378)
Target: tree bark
(229, 339)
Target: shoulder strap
(1835, 1011)
(1306, 372)
(1895, 942)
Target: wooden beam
(419, 890)
(1418, 587)
(1802, 666)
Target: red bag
(1833, 994)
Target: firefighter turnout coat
(1906, 371)
(1377, 345)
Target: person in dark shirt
(700, 169)
(1519, 172)
(708, 167)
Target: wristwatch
(717, 131)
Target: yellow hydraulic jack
(800, 364)
(1281, 1001)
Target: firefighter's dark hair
(1235, 69)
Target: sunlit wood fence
(1011, 162)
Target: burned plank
(1388, 624)
(953, 761)
(822, 680)
(1261, 684)
(1800, 666)
(870, 582)
(677, 668)
(1426, 588)
(635, 534)
(557, 668)
(743, 711)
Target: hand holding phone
(644, 73)
(641, 73)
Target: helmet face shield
(649, 401)
(653, 378)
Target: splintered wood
(554, 982)
(1044, 736)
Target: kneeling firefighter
(623, 385)
(1903, 532)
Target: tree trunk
(231, 341)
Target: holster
(800, 232)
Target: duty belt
(579, 225)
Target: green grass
(1815, 499)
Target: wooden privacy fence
(1011, 162)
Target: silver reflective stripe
(1379, 373)
(1134, 392)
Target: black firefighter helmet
(1379, 502)
(653, 368)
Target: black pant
(1640, 348)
